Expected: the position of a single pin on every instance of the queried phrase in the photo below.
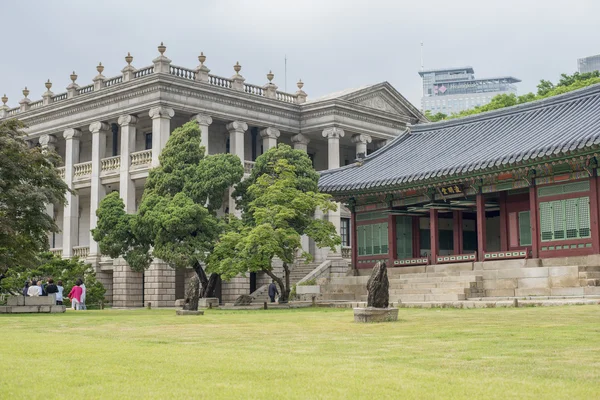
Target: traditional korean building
(507, 199)
(110, 132)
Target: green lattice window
(404, 237)
(524, 228)
(565, 219)
(372, 239)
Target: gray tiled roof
(496, 139)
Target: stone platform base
(32, 309)
(189, 312)
(371, 314)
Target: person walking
(51, 288)
(273, 291)
(34, 289)
(59, 294)
(83, 292)
(25, 288)
(75, 295)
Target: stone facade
(110, 133)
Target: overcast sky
(330, 44)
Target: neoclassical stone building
(110, 133)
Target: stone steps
(400, 292)
(428, 297)
(436, 285)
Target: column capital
(362, 139)
(98, 126)
(161, 112)
(71, 133)
(300, 139)
(126, 120)
(202, 119)
(237, 126)
(333, 133)
(47, 141)
(270, 133)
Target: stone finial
(100, 68)
(48, 85)
(270, 76)
(162, 48)
(237, 67)
(4, 100)
(73, 77)
(237, 80)
(72, 88)
(24, 103)
(128, 58)
(270, 89)
(162, 64)
(47, 96)
(202, 70)
(300, 94)
(99, 79)
(202, 58)
(25, 92)
(300, 84)
(129, 70)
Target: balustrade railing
(56, 252)
(143, 157)
(182, 72)
(59, 97)
(13, 111)
(288, 98)
(253, 89)
(111, 163)
(113, 81)
(81, 251)
(248, 165)
(219, 81)
(82, 169)
(346, 252)
(36, 104)
(85, 89)
(61, 172)
(144, 71)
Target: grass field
(526, 353)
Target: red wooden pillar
(434, 234)
(594, 223)
(503, 222)
(457, 232)
(354, 239)
(416, 236)
(480, 201)
(534, 222)
(392, 244)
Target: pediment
(379, 102)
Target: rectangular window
(565, 219)
(148, 141)
(345, 231)
(372, 239)
(524, 229)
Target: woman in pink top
(75, 296)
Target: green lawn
(526, 353)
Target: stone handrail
(86, 89)
(82, 169)
(56, 252)
(61, 172)
(141, 157)
(13, 111)
(248, 165)
(182, 72)
(81, 251)
(287, 97)
(59, 97)
(316, 273)
(36, 104)
(143, 71)
(111, 163)
(219, 81)
(253, 89)
(113, 81)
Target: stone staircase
(448, 286)
(299, 271)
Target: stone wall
(128, 289)
(159, 285)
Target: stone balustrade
(111, 164)
(182, 72)
(143, 71)
(82, 169)
(248, 165)
(253, 89)
(36, 104)
(59, 97)
(85, 89)
(56, 252)
(61, 172)
(220, 81)
(141, 158)
(113, 81)
(81, 251)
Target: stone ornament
(378, 287)
(270, 133)
(97, 127)
(237, 126)
(362, 138)
(162, 48)
(300, 84)
(270, 76)
(71, 133)
(237, 67)
(73, 77)
(100, 68)
(25, 92)
(47, 141)
(48, 85)
(333, 133)
(128, 58)
(300, 139)
(202, 58)
(161, 112)
(4, 99)
(127, 120)
(202, 119)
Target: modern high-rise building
(588, 64)
(451, 90)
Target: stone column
(161, 129)
(126, 185)
(481, 237)
(71, 210)
(434, 235)
(236, 146)
(361, 142)
(300, 142)
(269, 136)
(99, 131)
(47, 143)
(333, 136)
(204, 122)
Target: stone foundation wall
(128, 286)
(234, 288)
(159, 285)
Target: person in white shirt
(34, 290)
(82, 305)
(59, 294)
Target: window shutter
(524, 229)
(583, 208)
(546, 221)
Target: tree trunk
(212, 286)
(280, 283)
(208, 284)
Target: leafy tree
(28, 181)
(176, 220)
(435, 117)
(279, 204)
(68, 271)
